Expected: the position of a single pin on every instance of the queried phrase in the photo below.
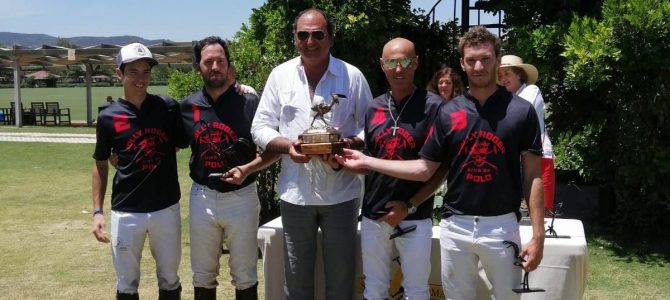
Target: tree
(362, 28)
(605, 73)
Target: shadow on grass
(652, 253)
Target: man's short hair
(210, 40)
(330, 23)
(479, 35)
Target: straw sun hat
(515, 61)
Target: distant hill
(29, 40)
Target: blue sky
(151, 19)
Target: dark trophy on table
(322, 140)
(551, 232)
(518, 261)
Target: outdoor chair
(27, 115)
(39, 112)
(53, 109)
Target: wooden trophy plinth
(320, 141)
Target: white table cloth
(562, 272)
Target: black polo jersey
(213, 130)
(483, 146)
(145, 140)
(414, 117)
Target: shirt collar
(332, 68)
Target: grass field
(71, 97)
(48, 252)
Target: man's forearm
(429, 188)
(536, 207)
(416, 170)
(532, 192)
(278, 145)
(261, 161)
(99, 182)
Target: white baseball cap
(132, 52)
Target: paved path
(75, 138)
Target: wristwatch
(97, 211)
(411, 208)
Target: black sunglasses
(317, 34)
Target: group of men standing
(485, 142)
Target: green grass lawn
(70, 97)
(48, 252)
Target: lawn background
(48, 252)
(46, 248)
(70, 97)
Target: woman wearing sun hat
(519, 79)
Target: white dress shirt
(532, 94)
(285, 110)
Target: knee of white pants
(498, 259)
(128, 236)
(376, 255)
(165, 242)
(414, 249)
(242, 261)
(459, 263)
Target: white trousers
(215, 216)
(414, 252)
(129, 230)
(467, 240)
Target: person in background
(107, 103)
(447, 83)
(519, 79)
(315, 193)
(224, 202)
(143, 130)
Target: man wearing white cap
(519, 79)
(143, 131)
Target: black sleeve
(174, 111)
(436, 146)
(103, 145)
(180, 139)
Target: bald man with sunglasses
(315, 193)
(396, 125)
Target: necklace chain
(395, 120)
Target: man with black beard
(224, 203)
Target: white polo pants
(413, 249)
(129, 230)
(215, 216)
(467, 240)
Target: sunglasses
(392, 63)
(317, 35)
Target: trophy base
(322, 148)
(320, 141)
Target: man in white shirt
(314, 192)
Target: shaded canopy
(90, 57)
(103, 54)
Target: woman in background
(519, 79)
(447, 83)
